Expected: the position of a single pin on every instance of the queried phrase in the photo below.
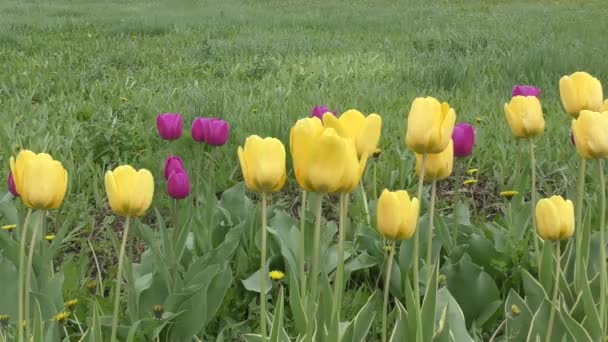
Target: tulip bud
(429, 125)
(363, 130)
(525, 116)
(397, 215)
(178, 184)
(169, 125)
(129, 191)
(211, 131)
(40, 181)
(464, 139)
(580, 91)
(525, 90)
(438, 165)
(555, 218)
(11, 185)
(173, 164)
(318, 112)
(263, 164)
(591, 134)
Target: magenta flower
(11, 185)
(318, 111)
(173, 164)
(463, 137)
(178, 184)
(525, 90)
(213, 131)
(169, 125)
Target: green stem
(303, 244)
(579, 218)
(121, 256)
(429, 238)
(375, 183)
(22, 275)
(264, 271)
(602, 245)
(79, 325)
(365, 204)
(28, 279)
(554, 301)
(314, 286)
(533, 203)
(416, 238)
(387, 283)
(335, 311)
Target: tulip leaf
(450, 322)
(540, 321)
(429, 307)
(592, 322)
(358, 329)
(237, 203)
(400, 331)
(252, 283)
(575, 329)
(535, 292)
(518, 317)
(277, 321)
(95, 333)
(547, 267)
(297, 305)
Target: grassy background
(85, 80)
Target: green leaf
(592, 321)
(429, 306)
(236, 202)
(277, 321)
(252, 283)
(575, 329)
(518, 317)
(413, 316)
(358, 329)
(95, 334)
(540, 322)
(547, 267)
(535, 292)
(297, 305)
(400, 331)
(133, 332)
(451, 323)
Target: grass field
(84, 81)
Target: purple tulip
(11, 185)
(213, 131)
(318, 111)
(525, 90)
(173, 164)
(178, 184)
(169, 125)
(463, 137)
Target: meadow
(84, 81)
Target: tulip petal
(388, 213)
(547, 221)
(369, 135)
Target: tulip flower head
(11, 185)
(364, 131)
(172, 164)
(463, 137)
(429, 125)
(525, 90)
(40, 180)
(129, 191)
(213, 131)
(555, 218)
(580, 91)
(319, 111)
(605, 107)
(263, 164)
(590, 133)
(397, 215)
(525, 116)
(438, 165)
(169, 125)
(178, 184)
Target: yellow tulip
(580, 91)
(302, 137)
(591, 134)
(129, 191)
(40, 180)
(429, 125)
(397, 215)
(365, 131)
(525, 116)
(605, 107)
(263, 164)
(555, 218)
(438, 165)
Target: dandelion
(9, 227)
(4, 321)
(158, 311)
(515, 310)
(509, 194)
(50, 237)
(61, 317)
(71, 304)
(276, 275)
(472, 171)
(470, 182)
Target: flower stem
(533, 203)
(602, 245)
(365, 204)
(335, 311)
(22, 274)
(579, 218)
(264, 271)
(387, 283)
(303, 244)
(429, 238)
(314, 285)
(28, 279)
(375, 184)
(554, 301)
(121, 256)
(416, 238)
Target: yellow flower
(263, 164)
(438, 165)
(4, 321)
(158, 311)
(365, 131)
(605, 107)
(478, 119)
(590, 131)
(580, 91)
(509, 194)
(472, 171)
(276, 275)
(525, 116)
(397, 215)
(9, 227)
(50, 237)
(515, 310)
(429, 125)
(61, 317)
(129, 191)
(470, 182)
(302, 136)
(71, 304)
(40, 180)
(555, 218)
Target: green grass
(85, 80)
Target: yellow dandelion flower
(276, 275)
(71, 304)
(4, 321)
(61, 317)
(515, 310)
(470, 182)
(50, 237)
(9, 227)
(509, 194)
(472, 171)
